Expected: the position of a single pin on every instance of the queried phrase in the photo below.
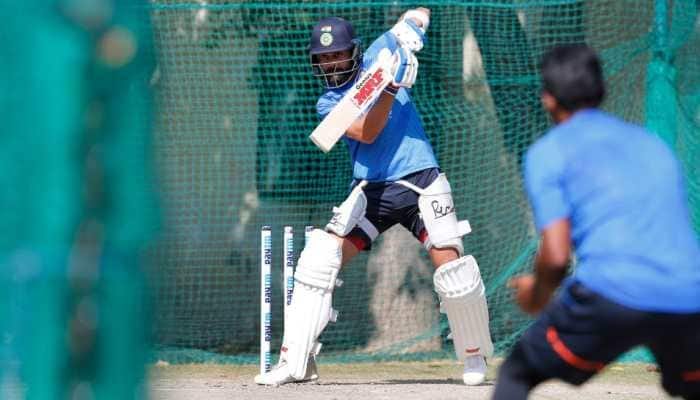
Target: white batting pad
(463, 299)
(315, 278)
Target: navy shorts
(390, 203)
(581, 332)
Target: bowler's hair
(573, 75)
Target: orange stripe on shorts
(568, 356)
(691, 376)
(423, 236)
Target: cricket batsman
(397, 180)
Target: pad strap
(368, 228)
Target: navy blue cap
(332, 34)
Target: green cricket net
(77, 203)
(237, 102)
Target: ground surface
(386, 381)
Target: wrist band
(391, 91)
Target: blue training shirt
(402, 147)
(624, 193)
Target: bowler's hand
(527, 295)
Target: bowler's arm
(553, 258)
(533, 291)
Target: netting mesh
(236, 106)
(76, 206)
(234, 101)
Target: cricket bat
(354, 103)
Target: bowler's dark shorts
(390, 203)
(581, 332)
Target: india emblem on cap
(326, 39)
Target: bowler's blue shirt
(624, 193)
(402, 147)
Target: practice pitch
(386, 381)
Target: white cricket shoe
(474, 370)
(279, 374)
